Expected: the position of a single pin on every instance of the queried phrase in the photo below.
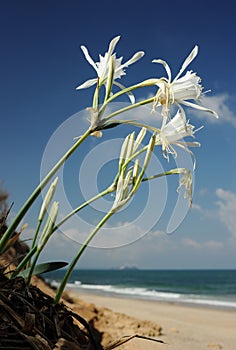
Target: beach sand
(181, 327)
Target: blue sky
(41, 65)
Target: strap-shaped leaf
(44, 267)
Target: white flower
(186, 181)
(181, 89)
(102, 67)
(173, 132)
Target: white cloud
(203, 191)
(196, 207)
(220, 104)
(188, 242)
(227, 209)
(212, 245)
(111, 235)
(156, 249)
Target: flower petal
(189, 144)
(186, 149)
(134, 58)
(88, 57)
(166, 66)
(112, 45)
(188, 60)
(201, 108)
(87, 84)
(129, 93)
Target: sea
(208, 288)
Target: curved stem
(125, 109)
(157, 176)
(35, 238)
(24, 262)
(36, 233)
(78, 255)
(96, 96)
(36, 256)
(68, 216)
(136, 154)
(149, 82)
(37, 191)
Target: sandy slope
(183, 327)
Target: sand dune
(181, 327)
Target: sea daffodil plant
(183, 90)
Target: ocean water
(210, 288)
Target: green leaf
(44, 267)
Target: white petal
(167, 67)
(187, 87)
(179, 120)
(88, 57)
(112, 45)
(87, 84)
(189, 151)
(201, 108)
(189, 144)
(134, 58)
(129, 93)
(188, 60)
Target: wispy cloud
(221, 105)
(227, 209)
(197, 207)
(191, 243)
(211, 245)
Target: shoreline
(203, 304)
(184, 326)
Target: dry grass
(30, 320)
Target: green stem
(136, 154)
(35, 238)
(138, 124)
(38, 251)
(157, 176)
(36, 233)
(125, 109)
(24, 262)
(78, 255)
(125, 91)
(68, 216)
(37, 191)
(96, 96)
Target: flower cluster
(171, 95)
(183, 90)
